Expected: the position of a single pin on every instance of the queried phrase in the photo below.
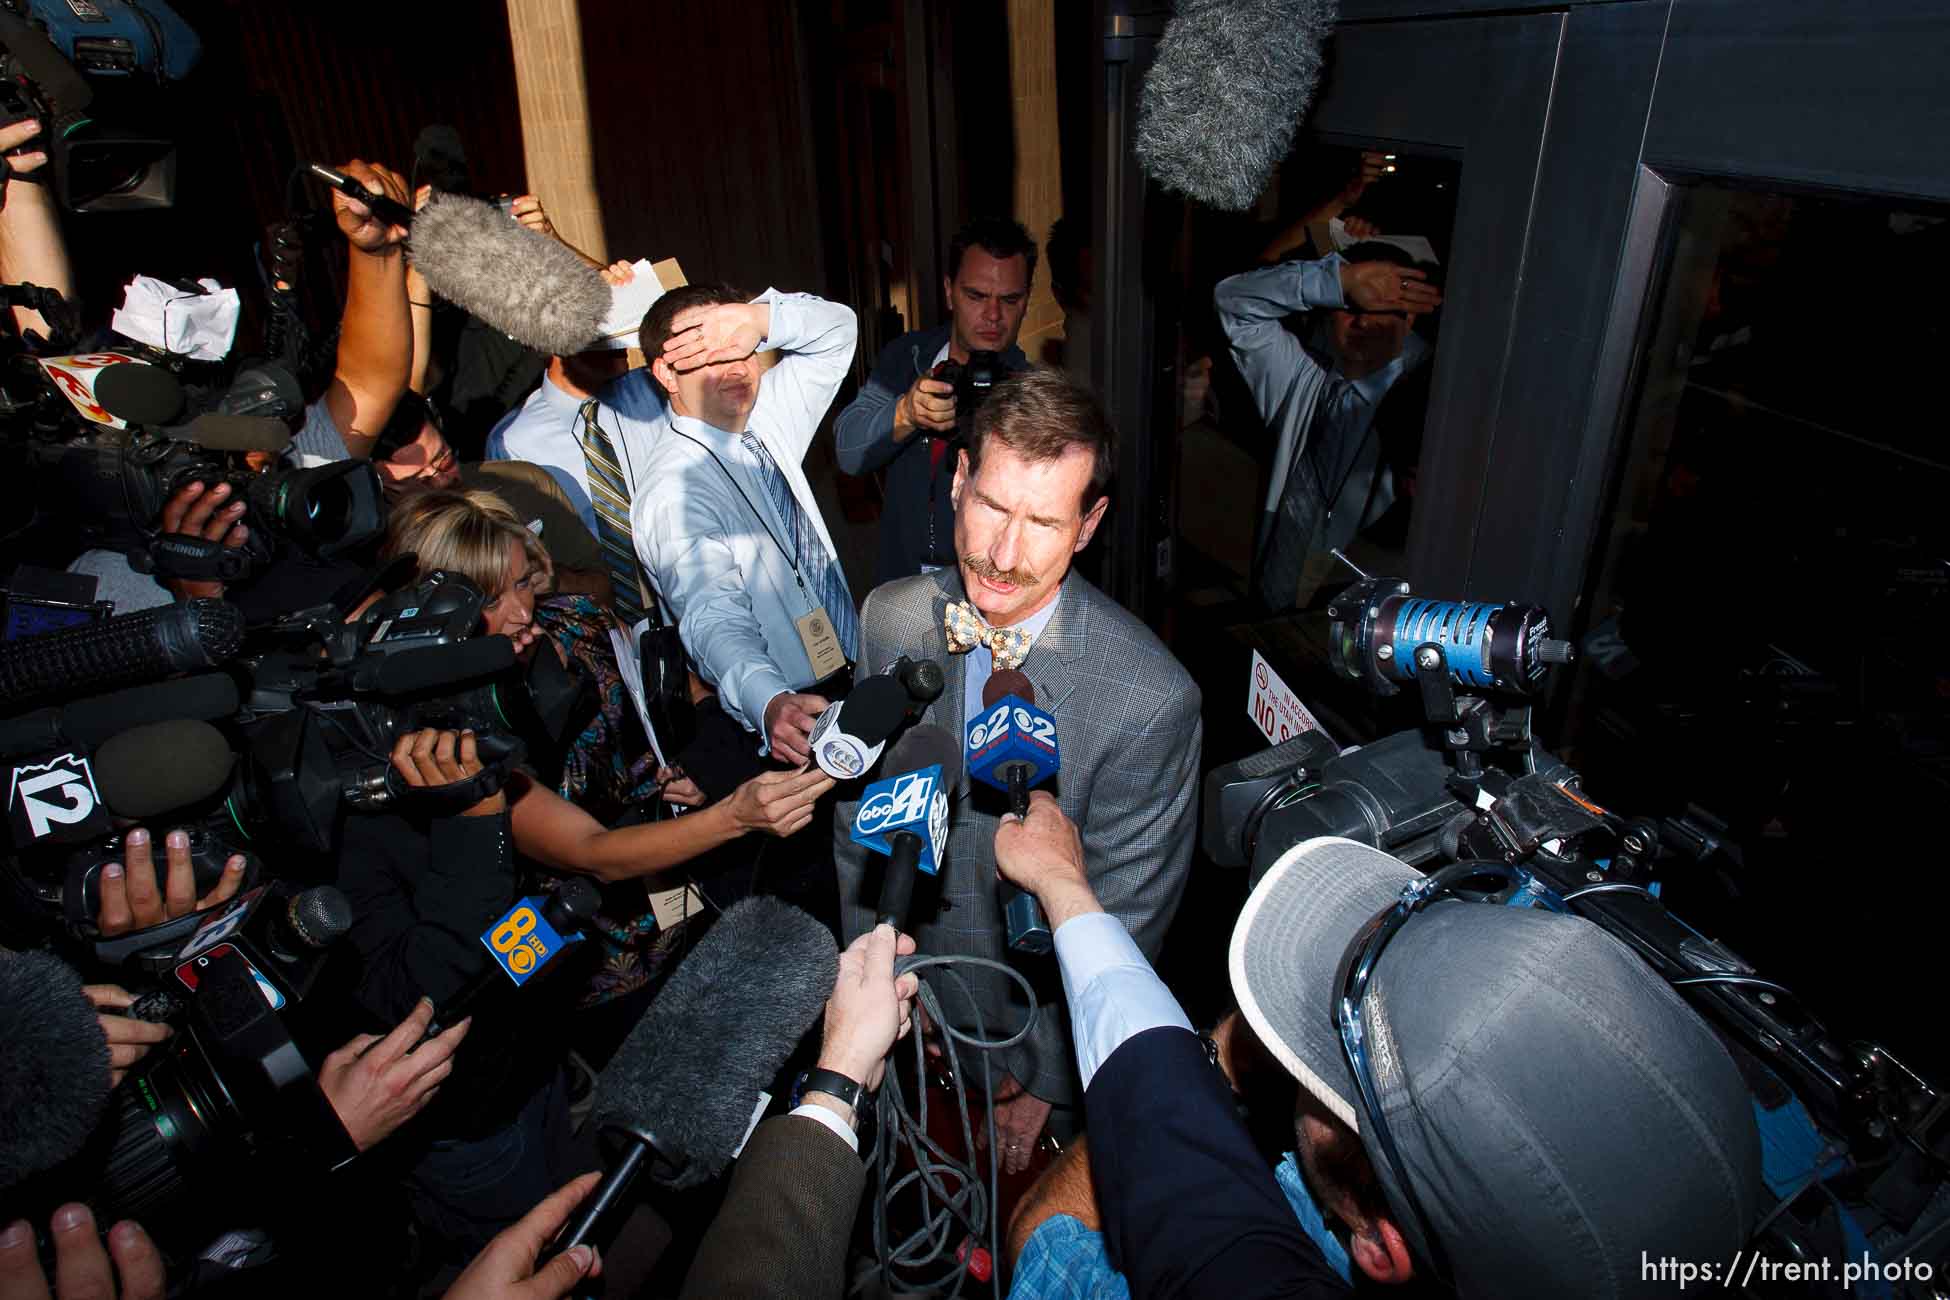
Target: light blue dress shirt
(1290, 383)
(544, 431)
(704, 526)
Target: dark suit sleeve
(787, 1218)
(1189, 1208)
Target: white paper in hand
(627, 305)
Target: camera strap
(192, 558)
(500, 756)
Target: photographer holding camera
(1440, 1139)
(906, 416)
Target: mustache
(979, 566)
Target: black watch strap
(833, 1084)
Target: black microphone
(924, 682)
(89, 721)
(55, 1086)
(390, 211)
(570, 909)
(159, 767)
(681, 1090)
(1231, 81)
(923, 747)
(1019, 764)
(528, 286)
(120, 651)
(139, 394)
(848, 736)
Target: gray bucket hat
(1564, 1115)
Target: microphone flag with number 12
(913, 802)
(522, 941)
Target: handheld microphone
(138, 393)
(1231, 81)
(390, 211)
(282, 936)
(136, 774)
(56, 1082)
(906, 816)
(683, 1089)
(89, 721)
(1012, 746)
(528, 286)
(119, 651)
(924, 682)
(523, 942)
(850, 735)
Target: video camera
(109, 484)
(78, 68)
(323, 713)
(1476, 785)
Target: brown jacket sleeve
(786, 1220)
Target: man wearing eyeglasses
(1510, 1103)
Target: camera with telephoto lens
(972, 380)
(323, 715)
(1476, 785)
(230, 1088)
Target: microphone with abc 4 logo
(905, 816)
(1012, 747)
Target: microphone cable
(949, 1216)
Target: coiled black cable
(947, 1217)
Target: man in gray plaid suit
(1030, 489)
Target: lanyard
(752, 506)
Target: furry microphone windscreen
(1226, 92)
(55, 1079)
(689, 1075)
(528, 286)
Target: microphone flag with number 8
(522, 941)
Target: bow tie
(967, 629)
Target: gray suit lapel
(946, 712)
(1051, 665)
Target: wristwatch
(833, 1084)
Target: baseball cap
(1561, 1111)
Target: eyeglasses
(1515, 887)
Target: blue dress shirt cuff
(1113, 993)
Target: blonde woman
(425, 886)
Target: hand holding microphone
(1042, 853)
(377, 220)
(1012, 746)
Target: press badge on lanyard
(821, 641)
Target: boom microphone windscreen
(687, 1078)
(128, 648)
(56, 1079)
(158, 768)
(528, 286)
(139, 394)
(1230, 83)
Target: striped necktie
(815, 562)
(1300, 526)
(611, 496)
